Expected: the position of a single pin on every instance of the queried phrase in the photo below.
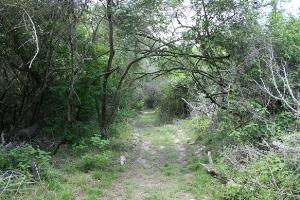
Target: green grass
(68, 184)
(150, 118)
(80, 172)
(87, 178)
(204, 186)
(159, 135)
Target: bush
(200, 127)
(23, 159)
(21, 166)
(268, 175)
(100, 143)
(267, 178)
(92, 161)
(171, 104)
(93, 143)
(250, 128)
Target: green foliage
(243, 127)
(121, 125)
(205, 186)
(100, 143)
(200, 126)
(271, 177)
(23, 158)
(94, 143)
(23, 164)
(62, 90)
(268, 178)
(285, 120)
(171, 104)
(83, 101)
(122, 137)
(93, 161)
(285, 33)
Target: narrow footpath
(160, 170)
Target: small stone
(122, 160)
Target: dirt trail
(160, 170)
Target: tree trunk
(104, 96)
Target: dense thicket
(64, 63)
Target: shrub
(267, 178)
(23, 159)
(171, 104)
(92, 161)
(21, 166)
(100, 143)
(95, 142)
(81, 147)
(200, 126)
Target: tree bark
(104, 96)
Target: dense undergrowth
(81, 170)
(255, 149)
(247, 169)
